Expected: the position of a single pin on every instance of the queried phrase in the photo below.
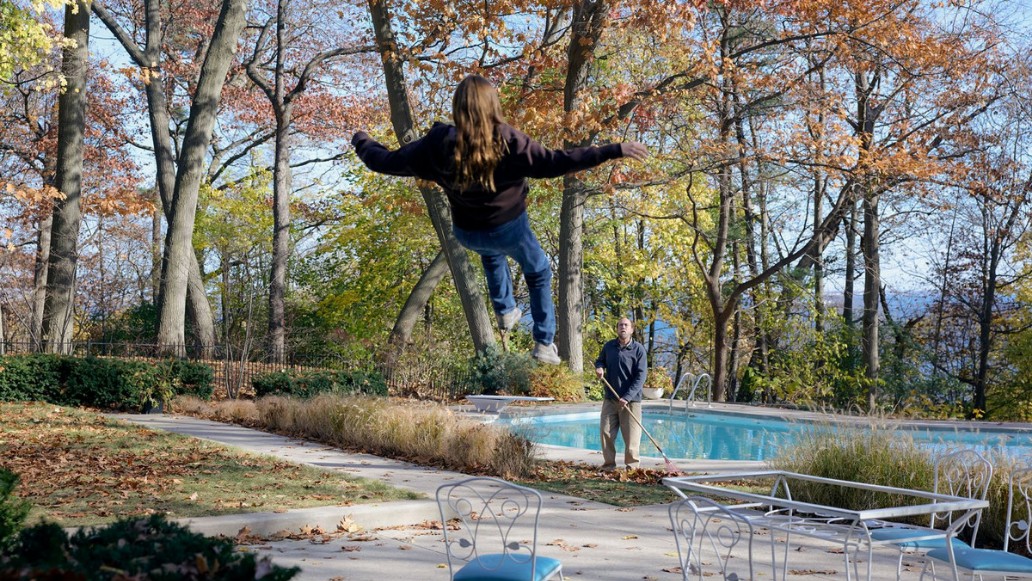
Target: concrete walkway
(594, 541)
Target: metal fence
(419, 375)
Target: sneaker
(546, 353)
(507, 321)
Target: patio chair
(486, 523)
(703, 527)
(994, 562)
(958, 473)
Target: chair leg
(899, 567)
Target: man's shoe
(546, 353)
(507, 321)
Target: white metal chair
(957, 473)
(487, 522)
(994, 562)
(706, 529)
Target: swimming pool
(706, 434)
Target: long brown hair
(477, 112)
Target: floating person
(483, 163)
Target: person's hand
(359, 136)
(634, 150)
(623, 402)
(600, 372)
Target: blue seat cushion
(499, 567)
(901, 536)
(985, 560)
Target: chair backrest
(488, 517)
(707, 532)
(964, 473)
(1019, 510)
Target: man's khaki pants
(616, 417)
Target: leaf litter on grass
(80, 468)
(623, 488)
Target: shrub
(593, 390)
(493, 371)
(307, 384)
(994, 518)
(150, 548)
(196, 379)
(430, 432)
(875, 456)
(30, 377)
(12, 510)
(556, 381)
(100, 382)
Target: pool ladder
(694, 381)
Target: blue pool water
(722, 436)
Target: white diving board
(496, 403)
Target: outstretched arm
(382, 160)
(549, 163)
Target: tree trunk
(178, 241)
(417, 300)
(735, 354)
(60, 300)
(149, 59)
(198, 309)
(156, 247)
(941, 306)
(473, 305)
(759, 353)
(721, 353)
(872, 281)
(590, 18)
(39, 278)
(848, 293)
(570, 314)
(282, 186)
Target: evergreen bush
(105, 383)
(12, 509)
(30, 377)
(196, 379)
(493, 372)
(142, 549)
(306, 384)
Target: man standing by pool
(622, 363)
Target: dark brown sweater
(432, 158)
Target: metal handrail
(694, 380)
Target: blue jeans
(515, 239)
